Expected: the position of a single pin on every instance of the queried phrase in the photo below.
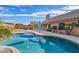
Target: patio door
(49, 26)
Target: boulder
(8, 49)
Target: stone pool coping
(68, 37)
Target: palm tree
(69, 28)
(5, 32)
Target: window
(78, 21)
(49, 26)
(61, 26)
(77, 25)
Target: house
(19, 26)
(70, 19)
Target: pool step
(13, 42)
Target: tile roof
(72, 14)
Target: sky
(24, 14)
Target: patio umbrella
(39, 26)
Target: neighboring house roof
(6, 24)
(9, 23)
(72, 14)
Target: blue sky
(26, 13)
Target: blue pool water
(29, 43)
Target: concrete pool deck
(69, 37)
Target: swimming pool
(29, 43)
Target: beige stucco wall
(75, 31)
(54, 24)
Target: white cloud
(6, 15)
(72, 7)
(43, 13)
(39, 14)
(55, 12)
